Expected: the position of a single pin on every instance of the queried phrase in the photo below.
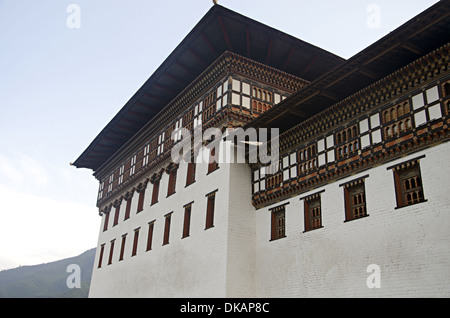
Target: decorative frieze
(375, 125)
(214, 101)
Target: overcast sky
(61, 83)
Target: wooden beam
(288, 60)
(208, 43)
(367, 72)
(164, 88)
(247, 31)
(297, 113)
(196, 56)
(269, 50)
(184, 68)
(157, 98)
(413, 48)
(175, 78)
(310, 64)
(225, 33)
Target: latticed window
(408, 184)
(313, 212)
(355, 200)
(278, 223)
(358, 201)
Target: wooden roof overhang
(417, 37)
(218, 31)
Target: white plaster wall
(410, 244)
(194, 266)
(236, 258)
(241, 266)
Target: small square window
(417, 101)
(435, 112)
(432, 94)
(420, 118)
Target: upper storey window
(426, 106)
(160, 144)
(408, 183)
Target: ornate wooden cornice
(432, 69)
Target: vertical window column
(187, 219)
(155, 180)
(116, 205)
(171, 170)
(122, 247)
(168, 217)
(106, 212)
(141, 190)
(100, 259)
(128, 198)
(150, 235)
(135, 241)
(111, 251)
(213, 160)
(211, 198)
(190, 177)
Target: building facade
(355, 206)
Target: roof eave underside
(419, 36)
(218, 31)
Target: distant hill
(47, 280)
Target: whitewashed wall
(410, 244)
(216, 262)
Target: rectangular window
(313, 212)
(100, 259)
(122, 247)
(116, 215)
(213, 161)
(210, 210)
(135, 242)
(355, 199)
(111, 251)
(106, 220)
(172, 182)
(150, 235)
(278, 222)
(128, 208)
(155, 192)
(140, 206)
(190, 178)
(167, 228)
(187, 219)
(408, 183)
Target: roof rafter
(225, 33)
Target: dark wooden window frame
(187, 219)
(210, 207)
(167, 222)
(313, 211)
(278, 222)
(355, 199)
(403, 173)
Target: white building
(359, 207)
